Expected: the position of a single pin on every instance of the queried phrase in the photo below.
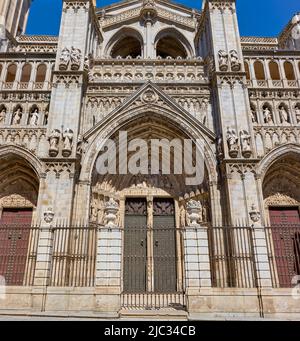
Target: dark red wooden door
(285, 222)
(14, 239)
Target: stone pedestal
(42, 268)
(108, 269)
(196, 260)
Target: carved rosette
(111, 209)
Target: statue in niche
(2, 116)
(232, 141)
(253, 115)
(46, 116)
(234, 60)
(68, 140)
(34, 117)
(223, 60)
(297, 112)
(245, 143)
(54, 141)
(268, 117)
(283, 114)
(17, 117)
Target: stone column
(196, 254)
(109, 262)
(43, 261)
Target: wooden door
(14, 239)
(285, 222)
(164, 245)
(135, 245)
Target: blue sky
(256, 17)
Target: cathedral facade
(80, 241)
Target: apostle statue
(268, 117)
(34, 117)
(284, 116)
(17, 116)
(2, 116)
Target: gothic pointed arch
(170, 42)
(126, 42)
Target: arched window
(247, 70)
(11, 73)
(274, 71)
(289, 71)
(41, 73)
(127, 42)
(171, 43)
(170, 47)
(259, 71)
(26, 72)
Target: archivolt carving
(281, 199)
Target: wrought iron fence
(18, 254)
(232, 257)
(73, 256)
(153, 259)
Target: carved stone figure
(17, 117)
(75, 58)
(194, 213)
(49, 216)
(111, 209)
(54, 141)
(223, 60)
(220, 146)
(245, 143)
(234, 61)
(233, 142)
(253, 115)
(2, 116)
(68, 141)
(34, 117)
(64, 59)
(297, 112)
(284, 116)
(268, 117)
(182, 216)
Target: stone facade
(156, 70)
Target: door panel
(14, 238)
(285, 222)
(135, 245)
(164, 246)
